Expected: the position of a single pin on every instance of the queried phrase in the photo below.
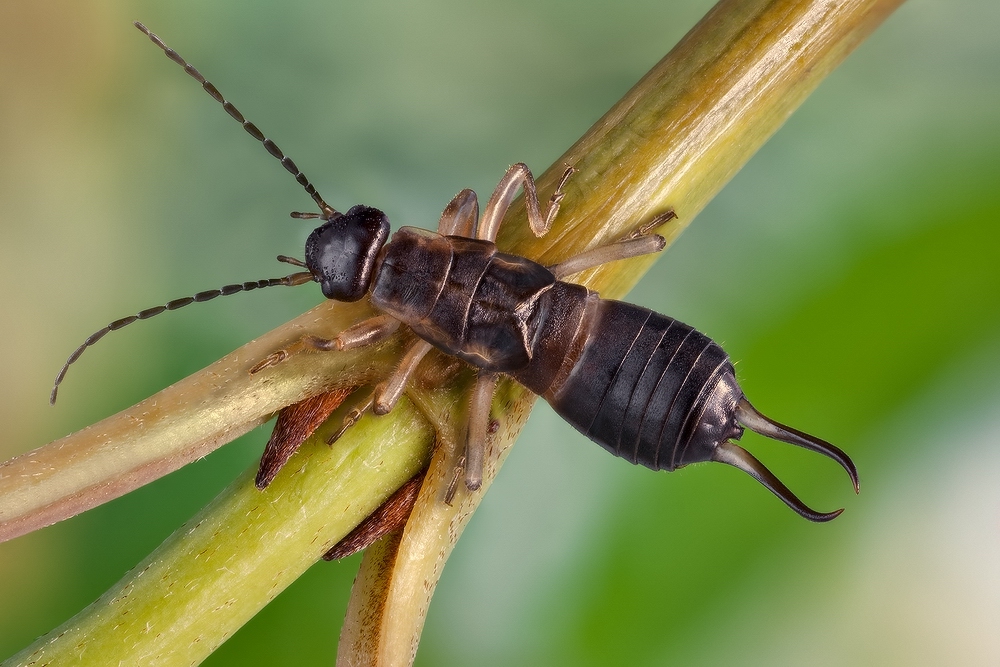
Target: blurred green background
(852, 269)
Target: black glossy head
(341, 252)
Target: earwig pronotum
(644, 386)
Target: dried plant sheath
(295, 423)
(672, 142)
(390, 517)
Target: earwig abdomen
(649, 389)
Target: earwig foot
(555, 201)
(646, 228)
(268, 361)
(308, 342)
(352, 418)
(457, 474)
(381, 406)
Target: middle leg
(478, 429)
(386, 394)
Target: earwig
(644, 386)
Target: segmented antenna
(327, 211)
(289, 281)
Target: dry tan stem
(179, 424)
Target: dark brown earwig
(644, 386)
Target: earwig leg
(457, 474)
(503, 195)
(352, 418)
(639, 242)
(642, 245)
(460, 215)
(366, 332)
(646, 228)
(387, 393)
(479, 423)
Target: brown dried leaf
(296, 423)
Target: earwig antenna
(289, 281)
(291, 260)
(327, 211)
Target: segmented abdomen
(639, 386)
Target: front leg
(386, 394)
(503, 195)
(366, 332)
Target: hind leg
(639, 242)
(479, 424)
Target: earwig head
(726, 412)
(341, 252)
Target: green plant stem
(672, 142)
